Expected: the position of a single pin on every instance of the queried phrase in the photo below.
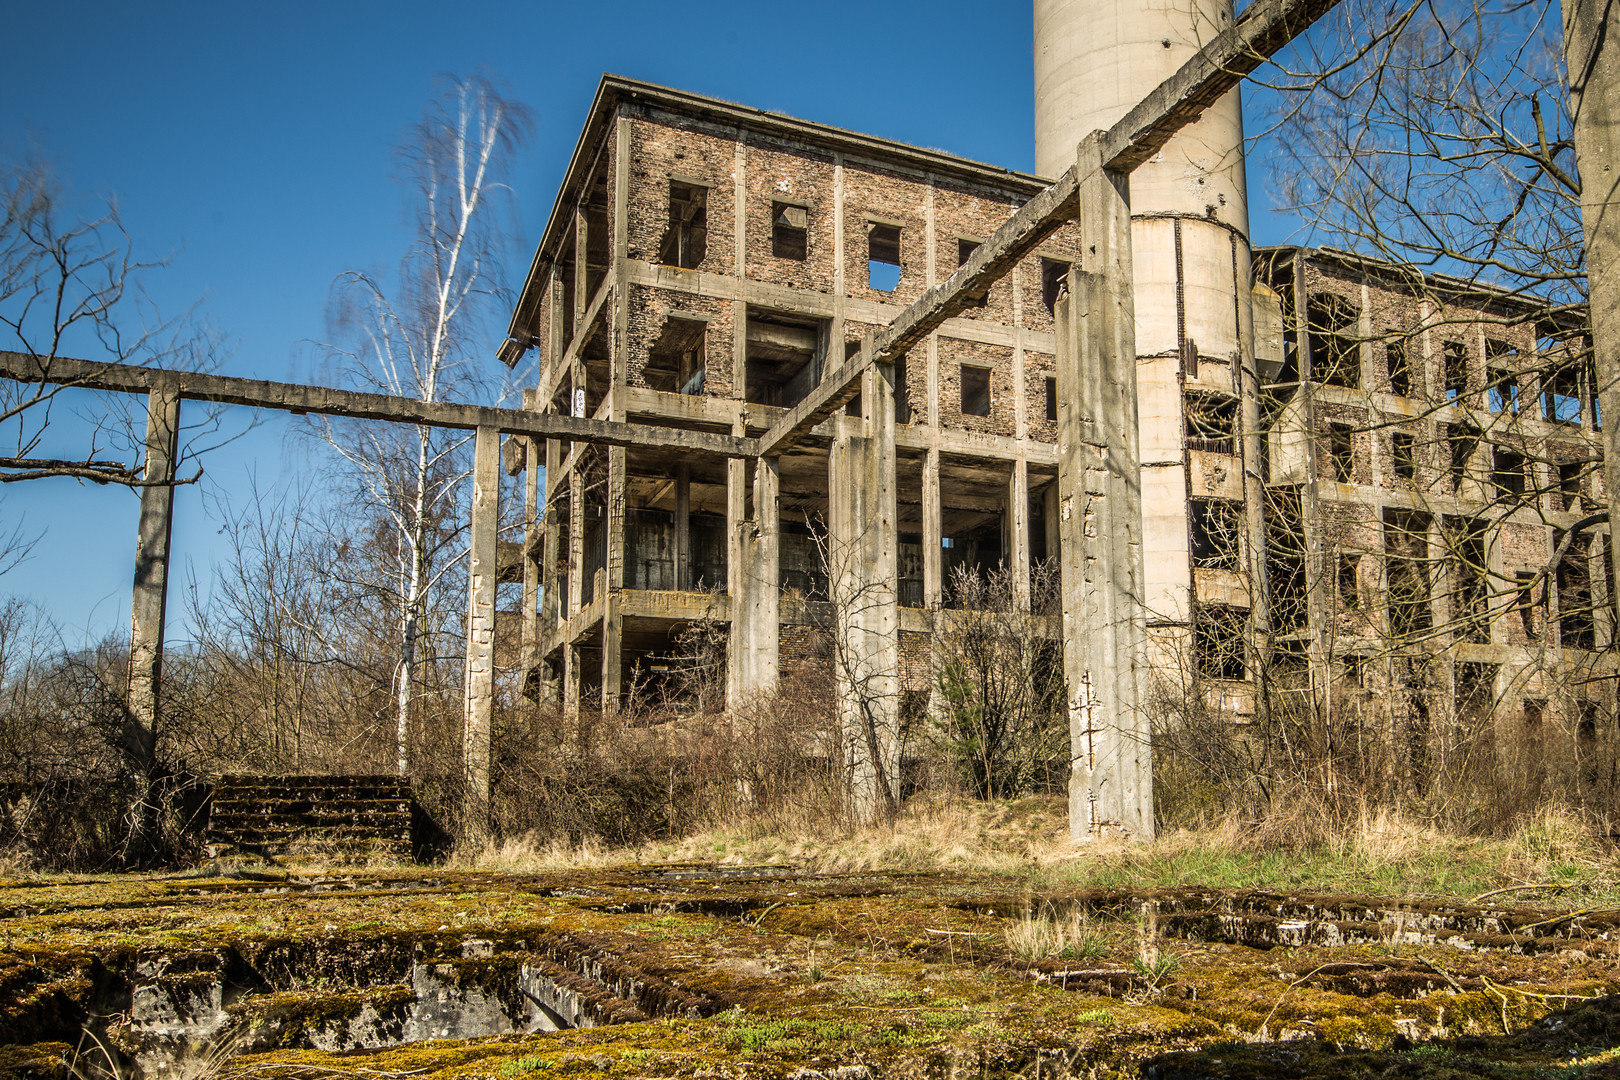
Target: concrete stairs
(342, 818)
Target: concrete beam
(327, 401)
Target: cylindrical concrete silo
(1094, 60)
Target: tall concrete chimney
(1094, 60)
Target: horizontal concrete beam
(1267, 26)
(326, 401)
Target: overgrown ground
(966, 941)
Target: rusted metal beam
(327, 401)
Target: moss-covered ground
(943, 973)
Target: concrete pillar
(551, 598)
(612, 615)
(576, 582)
(683, 526)
(932, 538)
(1590, 28)
(148, 609)
(532, 548)
(863, 556)
(1100, 519)
(1254, 481)
(756, 617)
(1018, 532)
(480, 666)
(737, 571)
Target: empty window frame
(1466, 560)
(1575, 622)
(1342, 452)
(1508, 471)
(1463, 441)
(975, 390)
(902, 391)
(1218, 642)
(1211, 423)
(882, 256)
(1561, 395)
(1335, 352)
(1569, 485)
(785, 356)
(676, 362)
(964, 251)
(1349, 582)
(686, 241)
(1217, 532)
(790, 231)
(1456, 360)
(1502, 390)
(1476, 691)
(1054, 283)
(1406, 552)
(1051, 398)
(1403, 456)
(1399, 366)
(1531, 603)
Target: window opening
(1561, 396)
(1503, 392)
(686, 241)
(1465, 541)
(1342, 452)
(1054, 282)
(882, 257)
(964, 251)
(1400, 369)
(1349, 582)
(1507, 471)
(1476, 690)
(675, 363)
(1534, 712)
(1569, 485)
(790, 231)
(1355, 669)
(1406, 548)
(1216, 530)
(1464, 440)
(975, 391)
(1403, 454)
(1051, 399)
(785, 354)
(1335, 354)
(1210, 423)
(1218, 643)
(1575, 624)
(1456, 356)
(1528, 604)
(902, 392)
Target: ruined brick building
(1416, 450)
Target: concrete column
(1590, 29)
(932, 535)
(551, 598)
(737, 570)
(1100, 512)
(480, 666)
(148, 610)
(612, 615)
(863, 560)
(576, 584)
(1254, 483)
(533, 547)
(683, 526)
(1018, 532)
(756, 607)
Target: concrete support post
(148, 610)
(1100, 512)
(551, 588)
(480, 666)
(533, 545)
(863, 550)
(756, 618)
(576, 583)
(1254, 482)
(737, 573)
(1018, 532)
(932, 533)
(612, 615)
(1590, 31)
(683, 526)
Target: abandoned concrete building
(1365, 514)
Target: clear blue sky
(253, 143)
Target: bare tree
(420, 338)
